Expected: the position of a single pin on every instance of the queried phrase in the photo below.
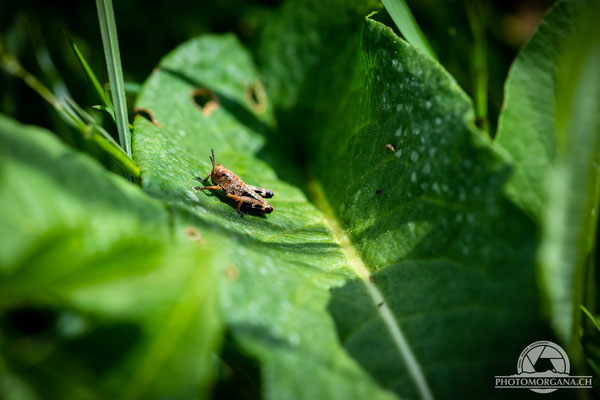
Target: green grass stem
(108, 29)
(71, 113)
(479, 70)
(89, 73)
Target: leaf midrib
(357, 265)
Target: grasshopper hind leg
(250, 203)
(262, 192)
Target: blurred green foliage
(98, 297)
(33, 31)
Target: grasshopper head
(219, 173)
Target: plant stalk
(110, 42)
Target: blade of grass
(479, 69)
(43, 58)
(102, 138)
(88, 71)
(12, 66)
(108, 29)
(590, 316)
(89, 131)
(93, 127)
(406, 23)
(90, 121)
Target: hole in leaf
(193, 234)
(256, 97)
(205, 100)
(148, 114)
(232, 272)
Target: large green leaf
(440, 210)
(550, 125)
(280, 266)
(400, 271)
(97, 299)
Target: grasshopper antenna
(212, 158)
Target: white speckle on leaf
(437, 121)
(396, 64)
(432, 151)
(181, 132)
(427, 104)
(414, 156)
(399, 131)
(436, 187)
(398, 153)
(294, 339)
(199, 209)
(427, 168)
(413, 177)
(253, 309)
(398, 107)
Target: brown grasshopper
(236, 189)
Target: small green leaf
(106, 109)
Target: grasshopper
(234, 188)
